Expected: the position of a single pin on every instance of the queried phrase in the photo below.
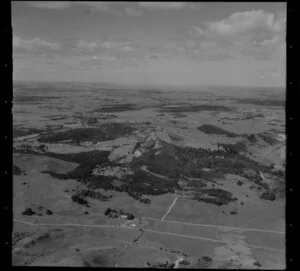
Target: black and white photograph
(149, 134)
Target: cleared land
(204, 183)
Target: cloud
(34, 44)
(126, 48)
(273, 40)
(90, 64)
(269, 72)
(108, 44)
(98, 62)
(246, 22)
(195, 50)
(190, 44)
(107, 50)
(198, 32)
(200, 50)
(254, 33)
(208, 52)
(134, 9)
(87, 45)
(104, 58)
(255, 25)
(123, 46)
(50, 5)
(108, 7)
(112, 8)
(163, 5)
(133, 12)
(257, 52)
(158, 56)
(102, 6)
(273, 47)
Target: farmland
(209, 192)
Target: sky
(150, 43)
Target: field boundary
(207, 239)
(63, 224)
(215, 226)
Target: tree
(107, 211)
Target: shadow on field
(215, 130)
(116, 108)
(194, 108)
(272, 103)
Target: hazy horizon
(146, 86)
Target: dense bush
(16, 170)
(116, 108)
(268, 196)
(215, 130)
(171, 162)
(268, 138)
(89, 157)
(265, 102)
(80, 200)
(145, 201)
(93, 194)
(28, 211)
(216, 196)
(49, 212)
(108, 131)
(113, 213)
(235, 148)
(195, 108)
(252, 138)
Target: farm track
(169, 210)
(205, 239)
(63, 224)
(215, 226)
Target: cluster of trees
(252, 138)
(212, 129)
(189, 163)
(107, 131)
(79, 199)
(268, 196)
(42, 148)
(216, 196)
(234, 149)
(145, 201)
(161, 265)
(113, 213)
(29, 211)
(89, 157)
(17, 170)
(143, 183)
(139, 184)
(94, 195)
